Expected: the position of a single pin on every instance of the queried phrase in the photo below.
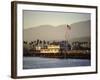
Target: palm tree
(25, 42)
(48, 42)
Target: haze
(37, 18)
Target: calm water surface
(38, 62)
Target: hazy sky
(37, 18)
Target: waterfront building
(50, 49)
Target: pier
(68, 54)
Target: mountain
(80, 29)
(49, 32)
(81, 39)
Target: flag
(68, 27)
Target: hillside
(79, 31)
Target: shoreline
(60, 55)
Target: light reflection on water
(38, 62)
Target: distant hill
(78, 31)
(81, 39)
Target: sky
(37, 18)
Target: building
(50, 49)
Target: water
(38, 62)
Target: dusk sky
(37, 18)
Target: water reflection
(38, 62)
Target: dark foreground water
(38, 62)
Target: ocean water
(39, 62)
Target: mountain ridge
(46, 25)
(49, 32)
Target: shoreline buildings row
(55, 48)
